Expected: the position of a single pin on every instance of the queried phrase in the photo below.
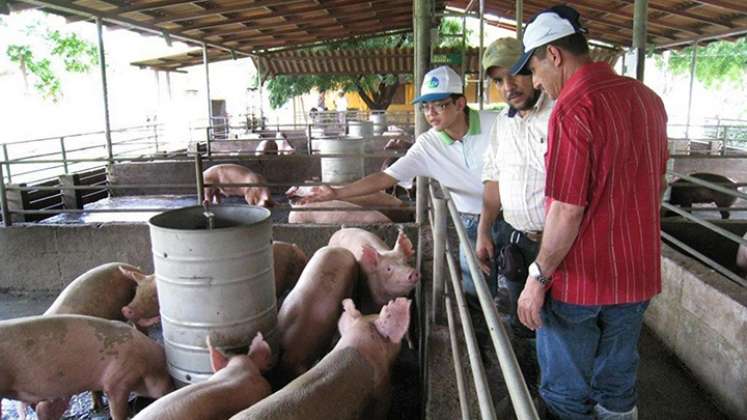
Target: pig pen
(104, 242)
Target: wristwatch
(536, 272)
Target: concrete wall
(702, 317)
(48, 257)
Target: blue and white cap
(547, 26)
(438, 84)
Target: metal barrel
(362, 129)
(216, 282)
(378, 118)
(336, 170)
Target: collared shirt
(455, 164)
(607, 152)
(516, 160)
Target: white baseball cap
(547, 26)
(438, 84)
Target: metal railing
(46, 158)
(442, 297)
(683, 211)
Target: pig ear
(133, 275)
(218, 360)
(404, 245)
(260, 352)
(349, 315)
(370, 256)
(394, 319)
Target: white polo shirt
(455, 164)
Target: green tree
(376, 90)
(716, 62)
(40, 61)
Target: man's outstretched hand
(308, 194)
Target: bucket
(338, 170)
(364, 129)
(216, 282)
(378, 118)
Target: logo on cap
(433, 82)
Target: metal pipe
(640, 23)
(105, 90)
(517, 388)
(207, 92)
(479, 377)
(438, 226)
(7, 163)
(456, 359)
(693, 56)
(711, 263)
(422, 11)
(725, 233)
(4, 201)
(200, 179)
(64, 154)
(481, 71)
(711, 185)
(519, 19)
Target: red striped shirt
(607, 151)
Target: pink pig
(46, 359)
(386, 271)
(307, 318)
(236, 384)
(230, 173)
(352, 382)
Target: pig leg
(118, 401)
(51, 409)
(724, 202)
(96, 396)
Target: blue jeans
(470, 223)
(588, 355)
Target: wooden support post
(640, 30)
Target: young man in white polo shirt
(450, 152)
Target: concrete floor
(667, 390)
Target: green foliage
(375, 89)
(716, 62)
(77, 56)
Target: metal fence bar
(456, 357)
(4, 201)
(7, 163)
(706, 224)
(439, 216)
(517, 388)
(711, 263)
(479, 377)
(64, 154)
(710, 185)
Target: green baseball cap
(503, 52)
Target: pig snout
(413, 277)
(128, 312)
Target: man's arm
(561, 228)
(491, 205)
(372, 183)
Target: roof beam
(223, 10)
(153, 5)
(297, 27)
(726, 5)
(338, 6)
(699, 18)
(76, 9)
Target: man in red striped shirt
(600, 252)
